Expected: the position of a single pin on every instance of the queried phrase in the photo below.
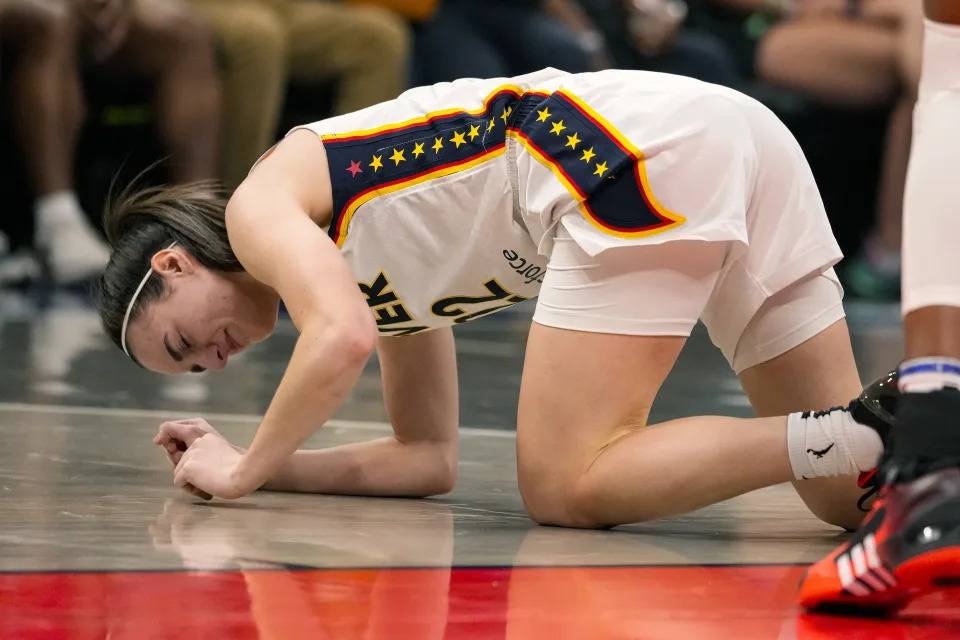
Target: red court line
(438, 604)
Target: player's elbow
(445, 477)
(356, 337)
(438, 465)
(359, 343)
(441, 482)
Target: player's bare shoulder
(294, 169)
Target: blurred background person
(499, 38)
(652, 35)
(47, 44)
(860, 53)
(361, 50)
(282, 61)
(852, 54)
(490, 38)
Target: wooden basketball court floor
(96, 543)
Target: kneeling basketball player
(630, 204)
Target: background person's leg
(47, 104)
(170, 43)
(252, 41)
(365, 49)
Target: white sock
(73, 249)
(923, 375)
(830, 443)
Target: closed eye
(186, 346)
(178, 357)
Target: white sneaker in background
(73, 249)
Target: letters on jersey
(392, 317)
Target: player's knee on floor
(559, 503)
(561, 511)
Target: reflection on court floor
(433, 604)
(96, 543)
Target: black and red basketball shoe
(909, 542)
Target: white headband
(133, 301)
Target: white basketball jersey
(445, 200)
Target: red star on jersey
(354, 168)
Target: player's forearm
(324, 368)
(383, 467)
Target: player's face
(203, 318)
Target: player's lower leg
(595, 464)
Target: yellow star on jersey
(438, 144)
(587, 154)
(474, 131)
(457, 139)
(573, 141)
(601, 168)
(397, 156)
(376, 164)
(557, 127)
(493, 121)
(417, 149)
(506, 114)
(543, 115)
